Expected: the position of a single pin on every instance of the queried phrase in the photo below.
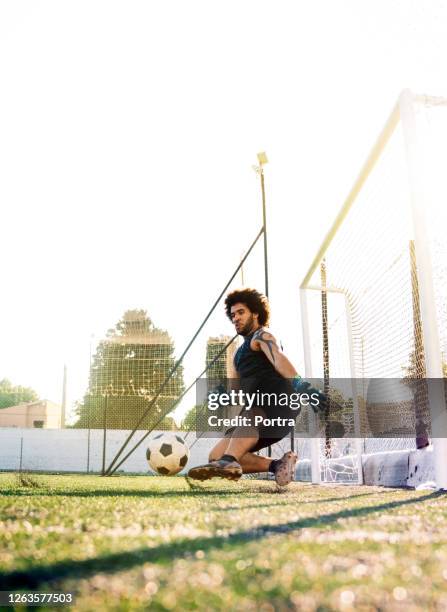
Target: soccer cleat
(285, 469)
(217, 469)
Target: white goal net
(374, 301)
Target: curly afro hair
(255, 302)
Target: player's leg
(283, 469)
(234, 444)
(222, 462)
(243, 441)
(235, 455)
(240, 440)
(225, 456)
(252, 464)
(249, 462)
(219, 449)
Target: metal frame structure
(116, 461)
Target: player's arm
(266, 342)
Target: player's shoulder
(264, 334)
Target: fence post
(104, 437)
(21, 454)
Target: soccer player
(261, 367)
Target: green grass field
(129, 543)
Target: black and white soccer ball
(167, 454)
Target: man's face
(243, 319)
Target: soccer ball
(167, 454)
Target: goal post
(429, 316)
(373, 301)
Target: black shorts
(268, 435)
(261, 443)
(264, 443)
(279, 417)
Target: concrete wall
(80, 450)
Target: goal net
(374, 300)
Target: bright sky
(128, 132)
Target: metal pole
(264, 223)
(419, 387)
(88, 449)
(433, 358)
(262, 159)
(104, 437)
(361, 179)
(355, 401)
(21, 454)
(180, 359)
(326, 369)
(314, 440)
(89, 404)
(64, 398)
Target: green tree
(11, 395)
(168, 424)
(218, 369)
(196, 419)
(127, 370)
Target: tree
(219, 368)
(11, 395)
(168, 424)
(127, 370)
(196, 419)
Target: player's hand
(303, 386)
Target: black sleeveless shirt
(256, 371)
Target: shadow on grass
(197, 491)
(36, 577)
(116, 493)
(288, 501)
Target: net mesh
(432, 119)
(209, 350)
(363, 301)
(139, 381)
(127, 370)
